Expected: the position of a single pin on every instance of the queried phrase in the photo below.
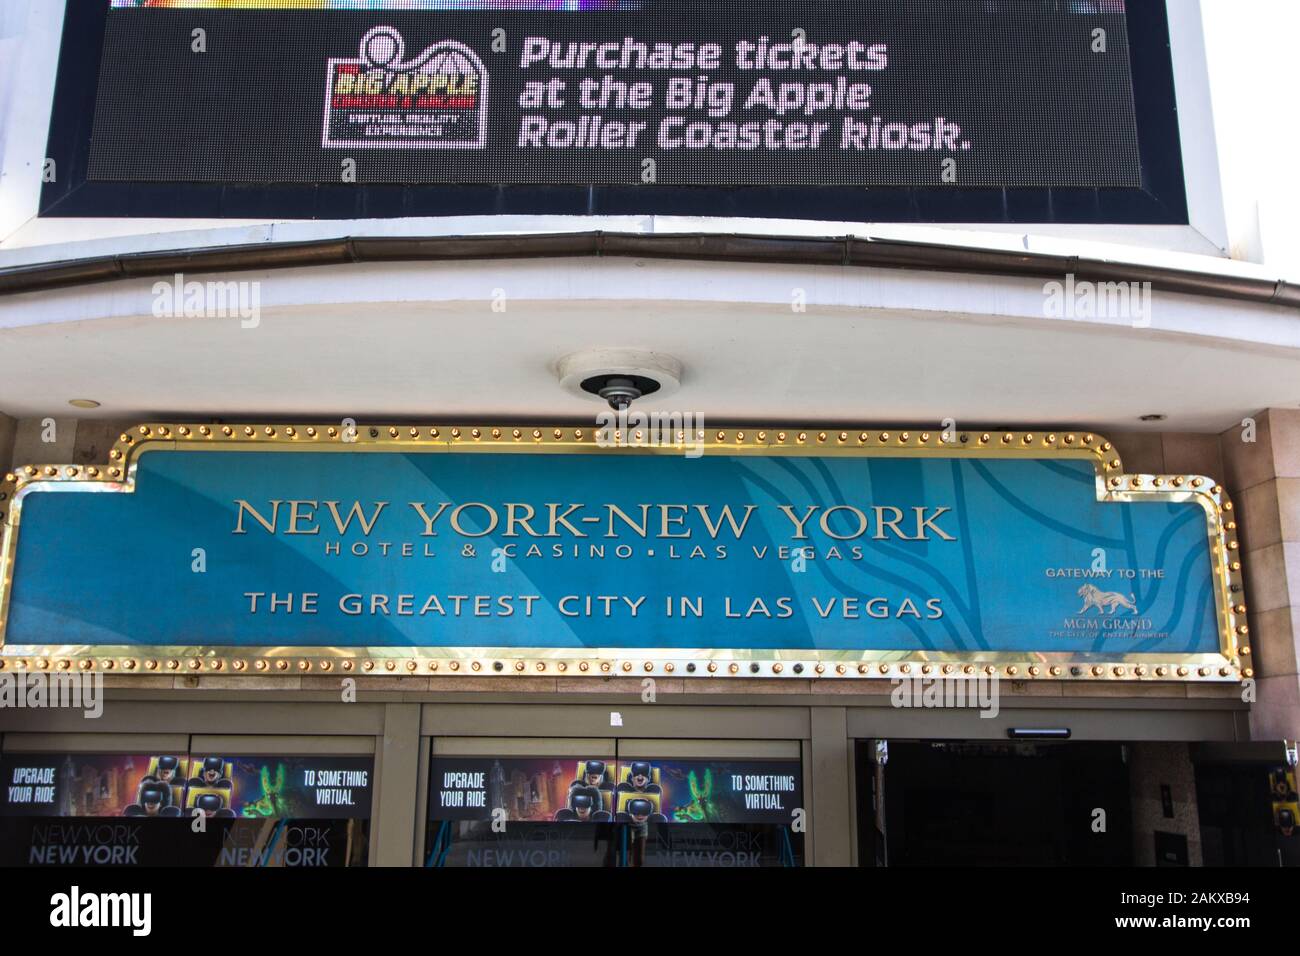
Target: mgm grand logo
(379, 99)
(1110, 611)
(1105, 601)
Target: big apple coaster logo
(378, 99)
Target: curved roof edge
(796, 250)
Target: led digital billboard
(1014, 94)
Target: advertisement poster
(565, 790)
(139, 810)
(565, 811)
(280, 787)
(762, 92)
(113, 785)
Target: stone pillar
(8, 429)
(396, 791)
(832, 809)
(1263, 477)
(1152, 766)
(1171, 453)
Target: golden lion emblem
(1105, 601)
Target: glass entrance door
(504, 802)
(718, 803)
(185, 800)
(614, 802)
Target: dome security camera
(620, 390)
(619, 376)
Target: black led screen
(959, 93)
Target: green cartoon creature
(700, 808)
(273, 802)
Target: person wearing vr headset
(167, 772)
(212, 774)
(212, 805)
(638, 813)
(1286, 821)
(640, 779)
(593, 775)
(584, 807)
(152, 800)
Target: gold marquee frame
(1232, 663)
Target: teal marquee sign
(795, 553)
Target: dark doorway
(960, 803)
(1237, 818)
